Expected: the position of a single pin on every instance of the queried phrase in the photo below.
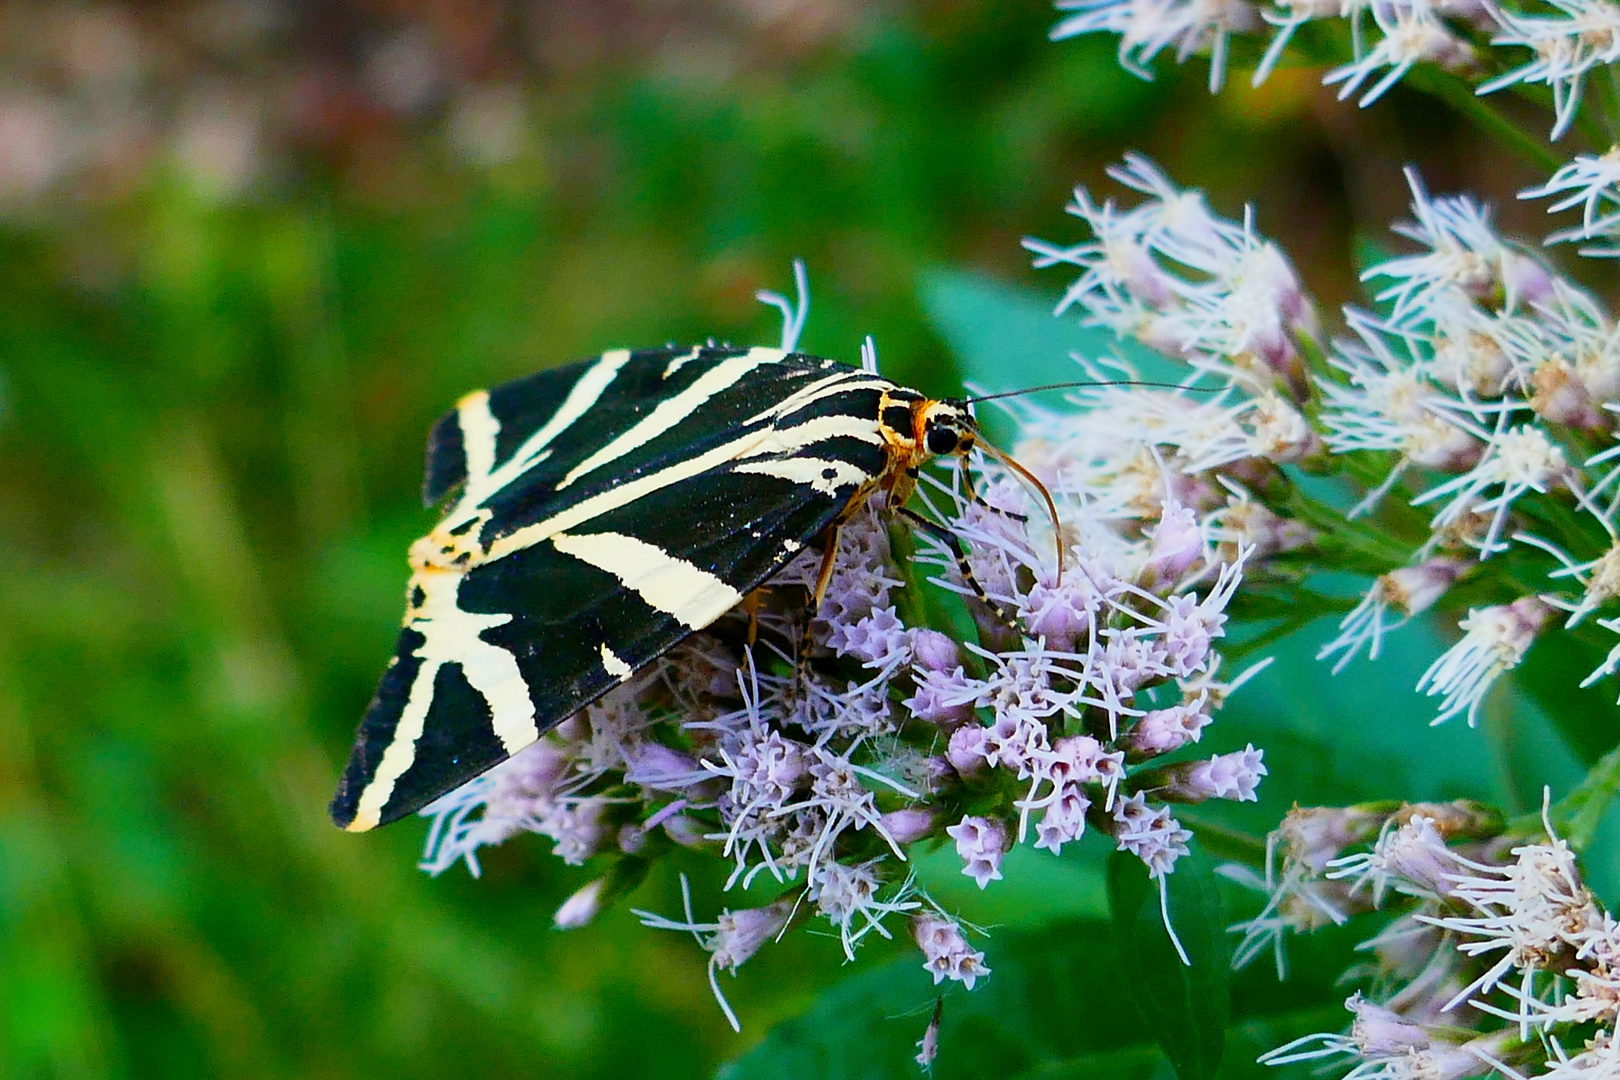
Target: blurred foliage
(228, 315)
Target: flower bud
(1560, 397)
(1316, 835)
(740, 933)
(575, 729)
(1460, 819)
(928, 1045)
(967, 751)
(1257, 527)
(909, 825)
(942, 697)
(1224, 776)
(654, 765)
(1281, 432)
(1436, 443)
(1379, 1032)
(632, 838)
(1414, 589)
(1605, 581)
(581, 908)
(1524, 280)
(687, 831)
(537, 767)
(1417, 855)
(934, 651)
(1178, 543)
(1164, 730)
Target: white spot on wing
(614, 666)
(669, 584)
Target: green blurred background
(250, 250)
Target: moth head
(945, 427)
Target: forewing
(575, 586)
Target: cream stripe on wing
(674, 586)
(400, 752)
(762, 441)
(681, 361)
(845, 381)
(672, 411)
(810, 471)
(450, 636)
(793, 439)
(493, 672)
(624, 494)
(479, 430)
(585, 393)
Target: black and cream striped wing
(604, 511)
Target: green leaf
(1185, 1002)
(1333, 740)
(1060, 1002)
(1039, 887)
(1053, 1005)
(1007, 339)
(1578, 814)
(1551, 675)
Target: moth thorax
(897, 419)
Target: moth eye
(942, 440)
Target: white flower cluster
(1184, 281)
(1567, 39)
(1483, 930)
(819, 751)
(1483, 392)
(822, 752)
(1490, 384)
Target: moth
(601, 513)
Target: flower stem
(1223, 841)
(1576, 815)
(1460, 96)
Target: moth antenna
(1034, 481)
(1094, 382)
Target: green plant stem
(1576, 816)
(1223, 840)
(1611, 103)
(1460, 96)
(1372, 543)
